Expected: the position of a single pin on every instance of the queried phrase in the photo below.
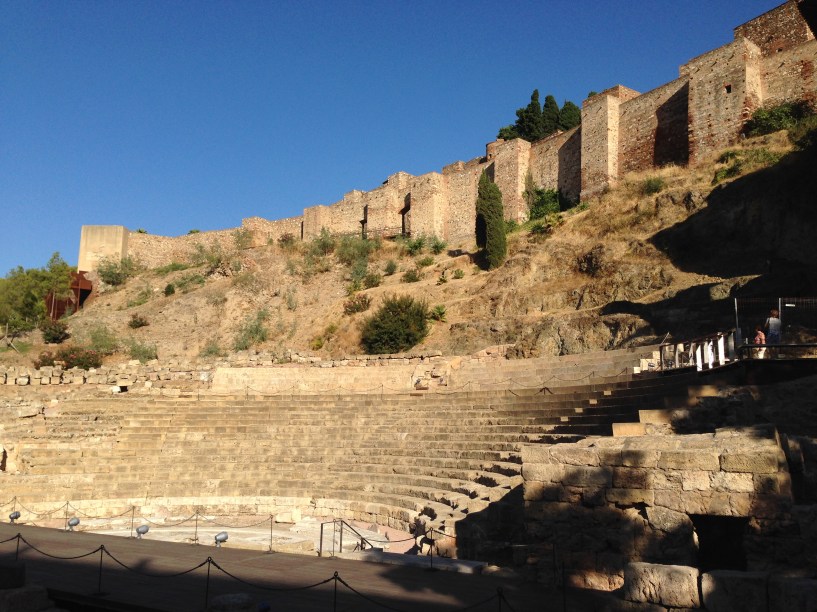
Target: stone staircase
(400, 460)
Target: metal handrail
(362, 544)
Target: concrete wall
(98, 242)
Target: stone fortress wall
(771, 60)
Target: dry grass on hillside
(601, 253)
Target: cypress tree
(490, 222)
(550, 116)
(570, 116)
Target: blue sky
(173, 115)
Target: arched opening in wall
(481, 231)
(405, 217)
(364, 222)
(3, 460)
(720, 541)
(302, 230)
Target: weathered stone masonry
(771, 60)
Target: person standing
(773, 328)
(760, 338)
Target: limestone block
(669, 585)
(727, 591)
(729, 504)
(588, 476)
(695, 480)
(755, 462)
(732, 482)
(22, 380)
(570, 454)
(544, 472)
(667, 520)
(536, 491)
(689, 460)
(792, 594)
(624, 430)
(630, 497)
(630, 478)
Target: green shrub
(399, 324)
(391, 267)
(411, 276)
(252, 331)
(78, 357)
(170, 289)
(137, 321)
(102, 340)
(437, 313)
(443, 278)
(246, 281)
(291, 300)
(54, 332)
(543, 202)
(511, 226)
(371, 280)
(352, 250)
(46, 358)
(652, 185)
(322, 245)
(171, 267)
(425, 262)
(804, 134)
(287, 241)
(242, 237)
(188, 282)
(193, 231)
(212, 349)
(212, 257)
(357, 303)
(141, 298)
(437, 245)
(116, 272)
(143, 351)
(458, 274)
(415, 246)
(773, 119)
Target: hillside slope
(648, 258)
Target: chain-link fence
(798, 318)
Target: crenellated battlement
(771, 60)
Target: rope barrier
(50, 512)
(88, 516)
(265, 588)
(9, 502)
(336, 578)
(158, 524)
(366, 597)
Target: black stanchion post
(17, 551)
(196, 530)
(270, 533)
(66, 516)
(564, 587)
(99, 592)
(499, 598)
(132, 512)
(431, 552)
(207, 584)
(335, 596)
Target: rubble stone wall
(606, 502)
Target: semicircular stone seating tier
(397, 459)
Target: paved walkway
(283, 580)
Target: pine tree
(570, 116)
(490, 223)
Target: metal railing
(703, 353)
(338, 527)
